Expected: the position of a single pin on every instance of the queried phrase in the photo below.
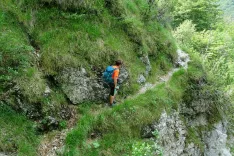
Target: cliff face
(174, 135)
(196, 127)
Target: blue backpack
(107, 75)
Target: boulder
(146, 61)
(79, 87)
(141, 79)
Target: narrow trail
(51, 147)
(53, 142)
(182, 61)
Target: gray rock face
(79, 87)
(191, 150)
(32, 111)
(47, 124)
(123, 75)
(47, 91)
(183, 59)
(146, 61)
(215, 141)
(230, 141)
(172, 136)
(141, 79)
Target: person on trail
(111, 76)
(114, 86)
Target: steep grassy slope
(40, 38)
(17, 134)
(117, 131)
(76, 38)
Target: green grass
(17, 134)
(70, 37)
(18, 61)
(74, 40)
(194, 136)
(121, 126)
(89, 6)
(85, 34)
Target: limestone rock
(47, 91)
(146, 61)
(32, 111)
(191, 150)
(216, 140)
(172, 136)
(183, 59)
(79, 87)
(47, 124)
(141, 79)
(123, 75)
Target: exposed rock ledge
(173, 133)
(79, 87)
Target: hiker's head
(118, 63)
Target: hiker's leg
(112, 93)
(111, 100)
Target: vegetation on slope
(17, 133)
(203, 13)
(42, 37)
(116, 131)
(216, 48)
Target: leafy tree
(215, 47)
(161, 10)
(203, 13)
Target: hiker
(111, 76)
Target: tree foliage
(215, 47)
(203, 13)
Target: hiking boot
(113, 104)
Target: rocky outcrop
(216, 140)
(80, 87)
(146, 61)
(141, 79)
(172, 136)
(183, 59)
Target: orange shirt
(116, 72)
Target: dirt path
(53, 142)
(182, 61)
